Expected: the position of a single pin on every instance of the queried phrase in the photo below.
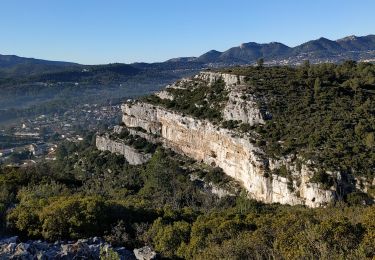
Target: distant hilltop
(357, 48)
(275, 53)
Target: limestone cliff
(234, 151)
(132, 155)
(237, 156)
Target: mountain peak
(348, 38)
(213, 52)
(323, 39)
(248, 45)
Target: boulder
(8, 240)
(22, 249)
(82, 249)
(145, 253)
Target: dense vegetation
(87, 192)
(197, 100)
(323, 112)
(135, 141)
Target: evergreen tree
(317, 87)
(260, 62)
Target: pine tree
(260, 62)
(370, 140)
(317, 87)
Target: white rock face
(242, 108)
(144, 116)
(134, 157)
(164, 95)
(240, 159)
(229, 79)
(145, 253)
(203, 141)
(363, 184)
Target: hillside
(186, 164)
(290, 135)
(11, 65)
(175, 205)
(275, 53)
(325, 113)
(59, 88)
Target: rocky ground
(92, 248)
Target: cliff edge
(213, 117)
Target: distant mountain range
(320, 50)
(31, 86)
(274, 53)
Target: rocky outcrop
(145, 253)
(236, 155)
(213, 188)
(234, 152)
(229, 79)
(164, 95)
(132, 155)
(142, 115)
(92, 248)
(364, 184)
(242, 107)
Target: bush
(167, 238)
(322, 178)
(61, 217)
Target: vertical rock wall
(240, 159)
(134, 157)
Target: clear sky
(104, 31)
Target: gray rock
(132, 155)
(83, 241)
(125, 254)
(82, 249)
(8, 240)
(39, 245)
(22, 249)
(51, 253)
(145, 253)
(97, 240)
(94, 249)
(10, 248)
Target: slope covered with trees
(91, 193)
(324, 113)
(320, 115)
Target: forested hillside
(321, 113)
(325, 113)
(91, 193)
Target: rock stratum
(235, 152)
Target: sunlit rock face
(229, 79)
(237, 156)
(242, 108)
(134, 157)
(236, 153)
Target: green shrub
(322, 178)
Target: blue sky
(104, 31)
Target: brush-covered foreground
(91, 193)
